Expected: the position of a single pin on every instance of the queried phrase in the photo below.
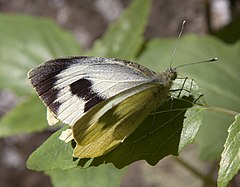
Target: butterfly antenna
(200, 62)
(179, 36)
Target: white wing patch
(51, 118)
(71, 86)
(66, 135)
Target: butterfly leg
(184, 82)
(195, 100)
(182, 88)
(171, 105)
(151, 125)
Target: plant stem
(206, 179)
(224, 110)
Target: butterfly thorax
(164, 83)
(166, 77)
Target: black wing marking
(69, 87)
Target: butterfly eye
(174, 74)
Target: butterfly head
(171, 74)
(166, 77)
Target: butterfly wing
(69, 87)
(96, 136)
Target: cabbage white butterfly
(103, 100)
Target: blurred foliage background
(88, 20)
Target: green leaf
(103, 176)
(124, 38)
(191, 126)
(25, 42)
(27, 117)
(151, 141)
(219, 81)
(162, 133)
(52, 154)
(230, 161)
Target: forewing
(69, 87)
(97, 137)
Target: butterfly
(103, 100)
